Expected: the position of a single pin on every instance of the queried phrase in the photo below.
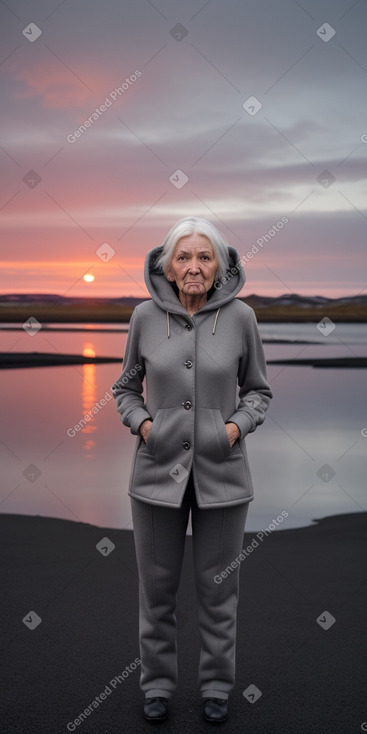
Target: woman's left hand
(233, 432)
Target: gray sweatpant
(217, 535)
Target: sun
(88, 351)
(88, 278)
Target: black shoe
(156, 709)
(215, 709)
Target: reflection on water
(317, 418)
(89, 399)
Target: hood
(165, 294)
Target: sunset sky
(190, 67)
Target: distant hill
(52, 308)
(53, 298)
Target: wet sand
(311, 674)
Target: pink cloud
(58, 87)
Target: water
(316, 418)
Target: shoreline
(324, 522)
(18, 360)
(14, 360)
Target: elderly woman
(195, 344)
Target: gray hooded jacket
(193, 367)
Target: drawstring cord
(215, 321)
(169, 326)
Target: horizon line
(148, 297)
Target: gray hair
(194, 225)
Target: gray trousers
(217, 536)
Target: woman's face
(193, 265)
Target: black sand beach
(84, 653)
(12, 360)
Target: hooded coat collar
(164, 294)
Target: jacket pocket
(211, 439)
(152, 438)
(164, 438)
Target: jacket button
(187, 404)
(186, 445)
(188, 327)
(188, 363)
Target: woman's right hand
(145, 429)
